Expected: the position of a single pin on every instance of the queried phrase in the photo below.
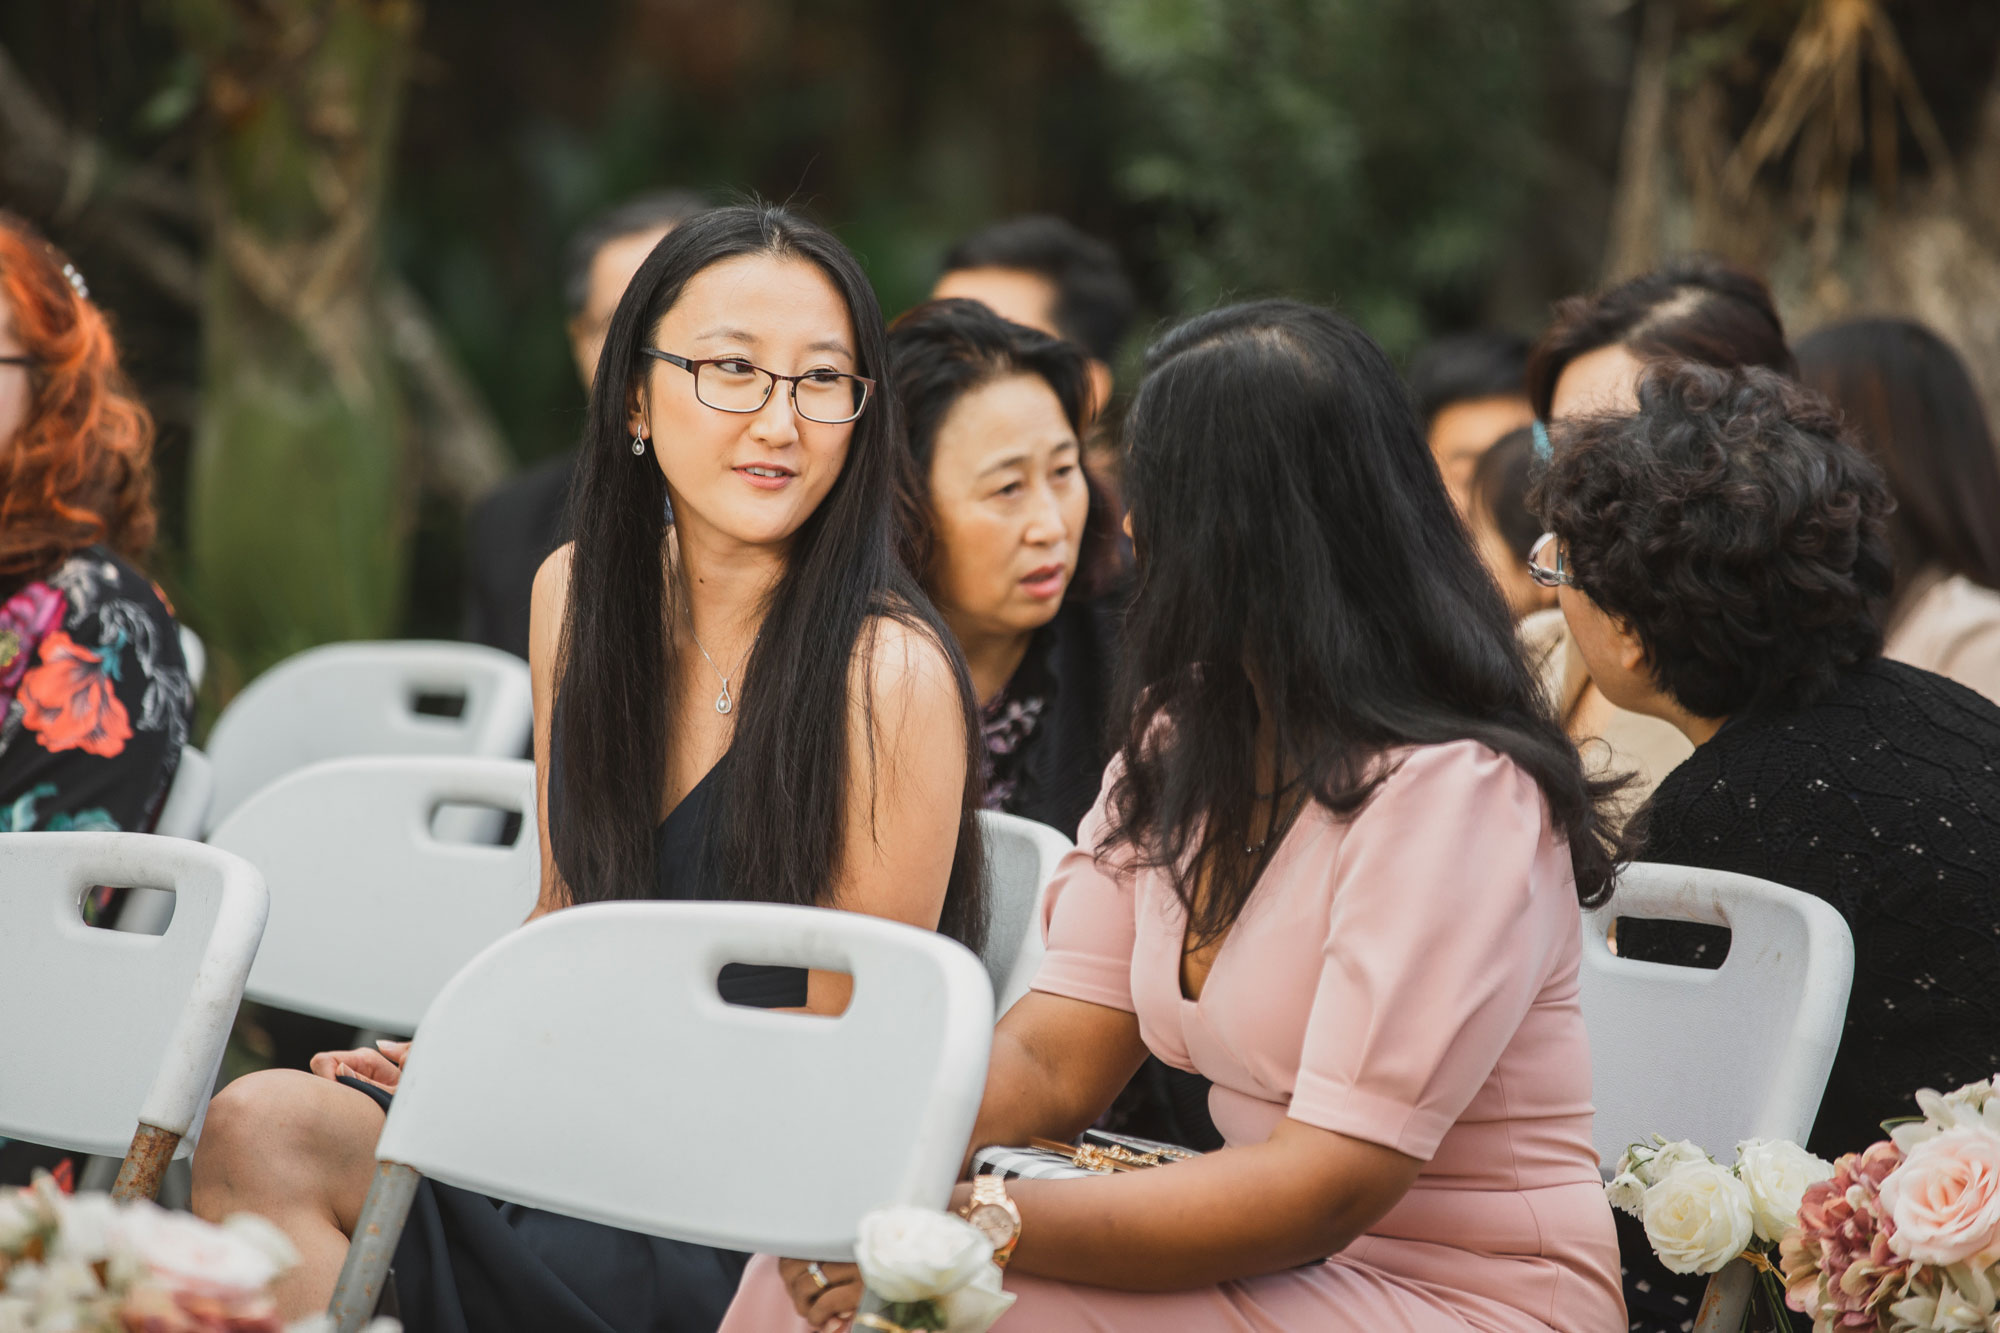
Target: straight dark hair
(783, 787)
(939, 352)
(1694, 308)
(1290, 524)
(1912, 407)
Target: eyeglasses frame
(1548, 576)
(24, 362)
(693, 365)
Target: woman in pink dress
(1335, 868)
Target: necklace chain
(723, 702)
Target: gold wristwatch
(994, 1216)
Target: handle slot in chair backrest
(370, 698)
(685, 1116)
(372, 912)
(1021, 856)
(1714, 1055)
(108, 1029)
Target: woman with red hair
(94, 693)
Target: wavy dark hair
(1913, 408)
(783, 787)
(1733, 528)
(1291, 525)
(939, 352)
(1691, 308)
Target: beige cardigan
(1950, 626)
(1616, 741)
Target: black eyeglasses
(26, 362)
(731, 384)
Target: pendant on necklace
(722, 704)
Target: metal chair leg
(1728, 1295)
(380, 1226)
(145, 1163)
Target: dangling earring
(638, 445)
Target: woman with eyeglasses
(751, 701)
(94, 694)
(1336, 866)
(1719, 554)
(1590, 360)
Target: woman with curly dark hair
(94, 694)
(1718, 557)
(1590, 359)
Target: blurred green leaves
(1377, 156)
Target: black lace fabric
(1884, 800)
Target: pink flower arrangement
(83, 1264)
(1905, 1238)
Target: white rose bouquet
(1699, 1215)
(83, 1264)
(928, 1270)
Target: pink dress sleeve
(1089, 922)
(1449, 897)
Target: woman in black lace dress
(1718, 554)
(754, 702)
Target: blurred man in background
(513, 530)
(1040, 271)
(1470, 390)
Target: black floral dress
(94, 698)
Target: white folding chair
(1715, 1056)
(195, 653)
(106, 1030)
(185, 813)
(371, 913)
(682, 1115)
(1021, 855)
(361, 698)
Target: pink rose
(1944, 1200)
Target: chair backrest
(106, 1030)
(1021, 855)
(195, 653)
(1716, 1056)
(362, 698)
(685, 1116)
(371, 914)
(185, 814)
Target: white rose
(918, 1254)
(1670, 1158)
(1697, 1217)
(89, 1223)
(974, 1306)
(1777, 1173)
(19, 1219)
(185, 1254)
(1627, 1193)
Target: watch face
(993, 1222)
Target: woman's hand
(382, 1067)
(831, 1308)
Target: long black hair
(782, 790)
(1912, 406)
(939, 352)
(1291, 525)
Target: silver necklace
(723, 703)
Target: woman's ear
(1631, 651)
(636, 422)
(1100, 388)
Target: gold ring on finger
(818, 1275)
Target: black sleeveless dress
(468, 1263)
